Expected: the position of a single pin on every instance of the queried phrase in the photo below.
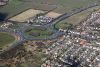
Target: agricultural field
(77, 18)
(53, 14)
(5, 39)
(14, 7)
(68, 5)
(24, 16)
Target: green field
(6, 39)
(39, 32)
(16, 6)
(75, 19)
(68, 5)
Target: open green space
(75, 19)
(38, 32)
(5, 39)
(68, 5)
(23, 65)
(14, 7)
